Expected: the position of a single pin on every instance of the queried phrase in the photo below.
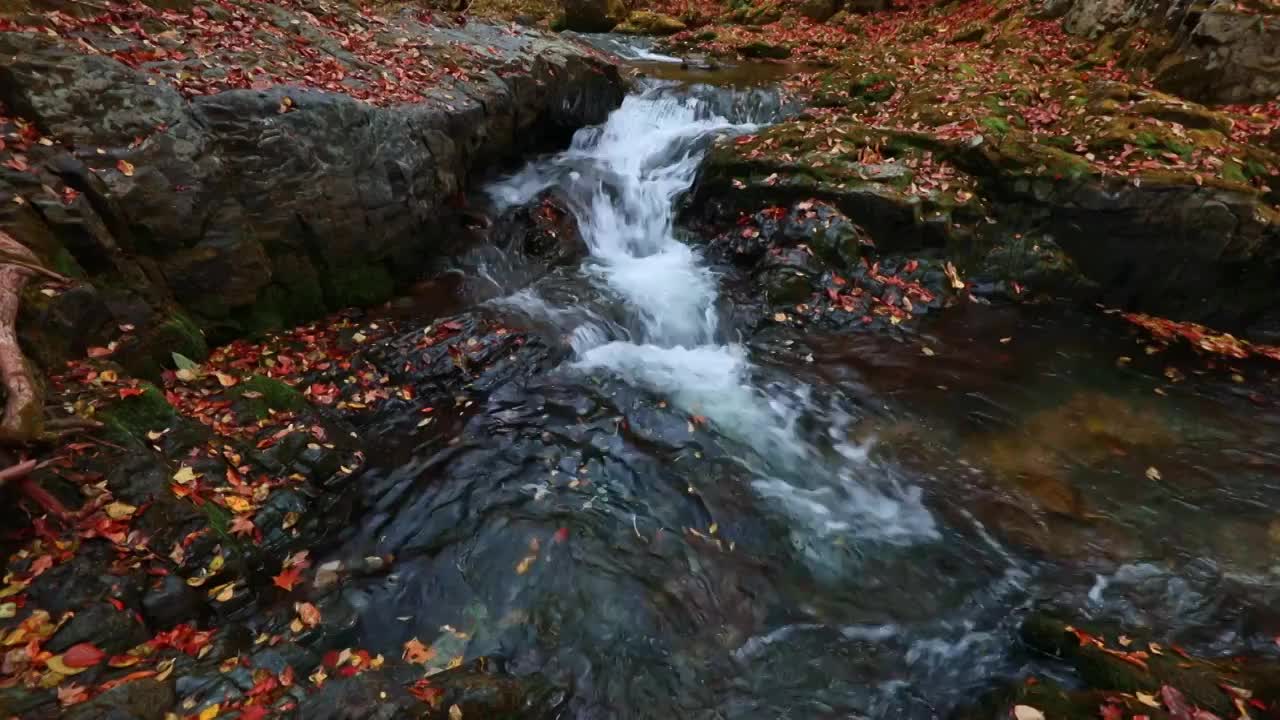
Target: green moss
(996, 125)
(874, 87)
(645, 22)
(358, 286)
(558, 23)
(279, 307)
(180, 334)
(130, 419)
(64, 263)
(1234, 172)
(219, 520)
(259, 395)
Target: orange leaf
(288, 578)
(417, 653)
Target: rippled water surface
(670, 518)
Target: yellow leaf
(238, 504)
(8, 610)
(523, 566)
(455, 712)
(1148, 700)
(56, 664)
(120, 511)
(223, 592)
(164, 670)
(1153, 473)
(185, 475)
(12, 589)
(226, 380)
(210, 712)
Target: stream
(667, 516)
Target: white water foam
(622, 181)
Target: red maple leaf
(288, 578)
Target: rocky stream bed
(559, 376)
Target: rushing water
(668, 519)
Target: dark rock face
(1216, 55)
(251, 209)
(593, 15)
(820, 10)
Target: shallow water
(672, 519)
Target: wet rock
(483, 688)
(101, 624)
(171, 601)
(1036, 262)
(1105, 662)
(144, 699)
(593, 15)
(762, 49)
(787, 276)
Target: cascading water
(622, 181)
(646, 517)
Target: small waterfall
(622, 180)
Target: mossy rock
(745, 13)
(644, 22)
(874, 87)
(259, 395)
(761, 49)
(130, 419)
(358, 286)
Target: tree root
(24, 407)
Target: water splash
(622, 181)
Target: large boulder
(257, 207)
(593, 15)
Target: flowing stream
(666, 517)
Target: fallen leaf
(185, 475)
(288, 578)
(1026, 712)
(83, 655)
(125, 167)
(241, 525)
(120, 511)
(72, 694)
(417, 653)
(308, 613)
(1153, 473)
